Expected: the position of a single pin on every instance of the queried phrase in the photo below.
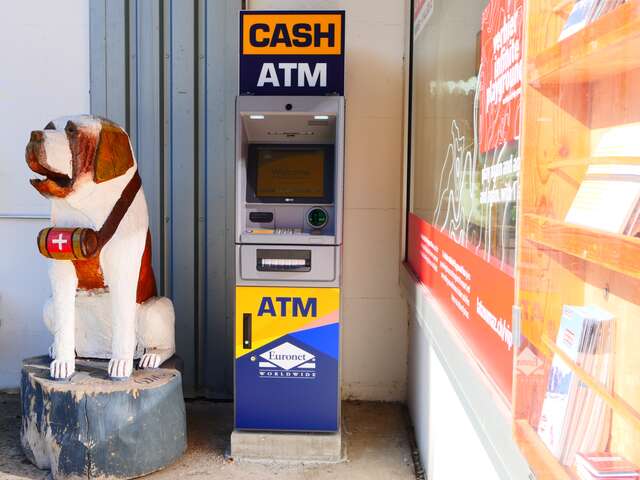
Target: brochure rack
(581, 107)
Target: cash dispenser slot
(283, 260)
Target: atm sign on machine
(292, 53)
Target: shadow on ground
(13, 464)
(377, 439)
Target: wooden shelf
(617, 404)
(563, 8)
(539, 457)
(584, 162)
(619, 253)
(608, 46)
(574, 92)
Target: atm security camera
(288, 106)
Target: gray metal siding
(167, 71)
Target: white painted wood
(88, 204)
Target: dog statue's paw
(154, 357)
(120, 367)
(150, 360)
(60, 369)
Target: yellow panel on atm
(278, 311)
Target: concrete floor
(378, 446)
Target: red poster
(500, 73)
(476, 295)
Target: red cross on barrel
(68, 243)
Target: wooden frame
(573, 91)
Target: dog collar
(83, 243)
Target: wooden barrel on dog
(93, 427)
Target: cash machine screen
(290, 174)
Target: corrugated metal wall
(167, 71)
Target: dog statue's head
(72, 151)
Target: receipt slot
(289, 172)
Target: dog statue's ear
(113, 154)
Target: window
(465, 168)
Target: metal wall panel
(167, 70)
(221, 47)
(108, 44)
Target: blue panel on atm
(324, 338)
(288, 384)
(261, 75)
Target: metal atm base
(287, 447)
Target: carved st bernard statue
(104, 302)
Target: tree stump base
(93, 427)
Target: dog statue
(104, 302)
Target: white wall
(462, 423)
(443, 429)
(44, 74)
(374, 315)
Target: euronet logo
(287, 361)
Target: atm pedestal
(287, 447)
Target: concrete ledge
(287, 447)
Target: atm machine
(289, 207)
